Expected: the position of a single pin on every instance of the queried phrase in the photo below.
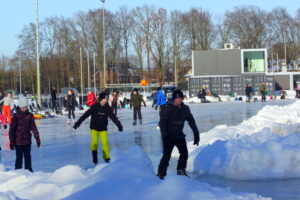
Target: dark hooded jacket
(99, 117)
(172, 122)
(21, 127)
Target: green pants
(104, 140)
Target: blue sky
(14, 14)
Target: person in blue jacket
(161, 101)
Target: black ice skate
(134, 123)
(182, 172)
(141, 121)
(107, 160)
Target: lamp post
(38, 74)
(103, 29)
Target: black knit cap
(177, 94)
(102, 96)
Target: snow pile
(263, 147)
(281, 120)
(130, 176)
(259, 156)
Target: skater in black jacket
(71, 104)
(99, 113)
(171, 127)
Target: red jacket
(21, 127)
(91, 100)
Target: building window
(254, 61)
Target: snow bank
(281, 120)
(130, 176)
(264, 147)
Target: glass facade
(254, 61)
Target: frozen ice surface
(64, 149)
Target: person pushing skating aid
(171, 126)
(99, 119)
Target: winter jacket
(21, 127)
(1, 104)
(262, 88)
(172, 122)
(248, 90)
(53, 95)
(99, 117)
(71, 102)
(91, 99)
(8, 102)
(161, 98)
(136, 101)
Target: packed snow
(130, 176)
(263, 147)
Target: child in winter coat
(20, 134)
(136, 101)
(8, 105)
(99, 120)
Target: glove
(120, 128)
(155, 107)
(11, 145)
(38, 143)
(5, 126)
(76, 125)
(196, 140)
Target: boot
(107, 160)
(95, 157)
(134, 123)
(160, 176)
(182, 172)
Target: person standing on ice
(248, 91)
(99, 120)
(262, 90)
(91, 99)
(114, 102)
(161, 101)
(171, 127)
(71, 103)
(53, 99)
(136, 101)
(8, 105)
(20, 134)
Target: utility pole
(175, 73)
(81, 82)
(89, 77)
(20, 69)
(94, 56)
(38, 73)
(104, 60)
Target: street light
(104, 61)
(38, 74)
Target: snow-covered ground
(262, 147)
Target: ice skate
(182, 172)
(134, 123)
(141, 121)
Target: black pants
(23, 151)
(71, 112)
(54, 107)
(115, 108)
(137, 111)
(168, 146)
(154, 102)
(263, 96)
